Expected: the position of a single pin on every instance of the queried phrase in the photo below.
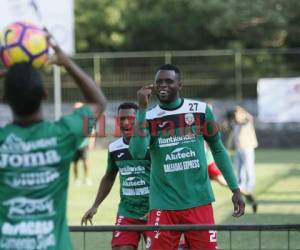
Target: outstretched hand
(88, 216)
(59, 57)
(238, 203)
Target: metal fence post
(168, 57)
(97, 69)
(238, 75)
(57, 91)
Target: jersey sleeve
(111, 164)
(80, 123)
(209, 157)
(213, 137)
(140, 140)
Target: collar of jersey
(124, 141)
(173, 105)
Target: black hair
(230, 115)
(23, 89)
(128, 105)
(170, 67)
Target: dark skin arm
(105, 186)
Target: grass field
(277, 189)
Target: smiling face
(126, 118)
(167, 85)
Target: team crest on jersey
(189, 119)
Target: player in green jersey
(134, 177)
(180, 189)
(35, 157)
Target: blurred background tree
(133, 25)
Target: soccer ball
(24, 42)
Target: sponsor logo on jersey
(31, 180)
(27, 228)
(175, 140)
(163, 124)
(133, 182)
(135, 191)
(40, 242)
(29, 235)
(17, 153)
(180, 166)
(14, 144)
(189, 119)
(127, 170)
(36, 159)
(120, 155)
(22, 207)
(180, 154)
(180, 159)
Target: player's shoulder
(193, 105)
(117, 145)
(152, 111)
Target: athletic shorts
(80, 154)
(200, 240)
(124, 238)
(213, 171)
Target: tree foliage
(111, 25)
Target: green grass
(277, 189)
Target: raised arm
(242, 115)
(140, 140)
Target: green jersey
(208, 155)
(34, 174)
(134, 178)
(179, 176)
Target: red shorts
(213, 171)
(158, 240)
(126, 238)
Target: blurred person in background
(81, 153)
(245, 142)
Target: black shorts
(80, 154)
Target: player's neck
(126, 140)
(172, 105)
(28, 119)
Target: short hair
(128, 105)
(230, 115)
(23, 89)
(170, 67)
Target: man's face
(167, 86)
(239, 115)
(126, 118)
